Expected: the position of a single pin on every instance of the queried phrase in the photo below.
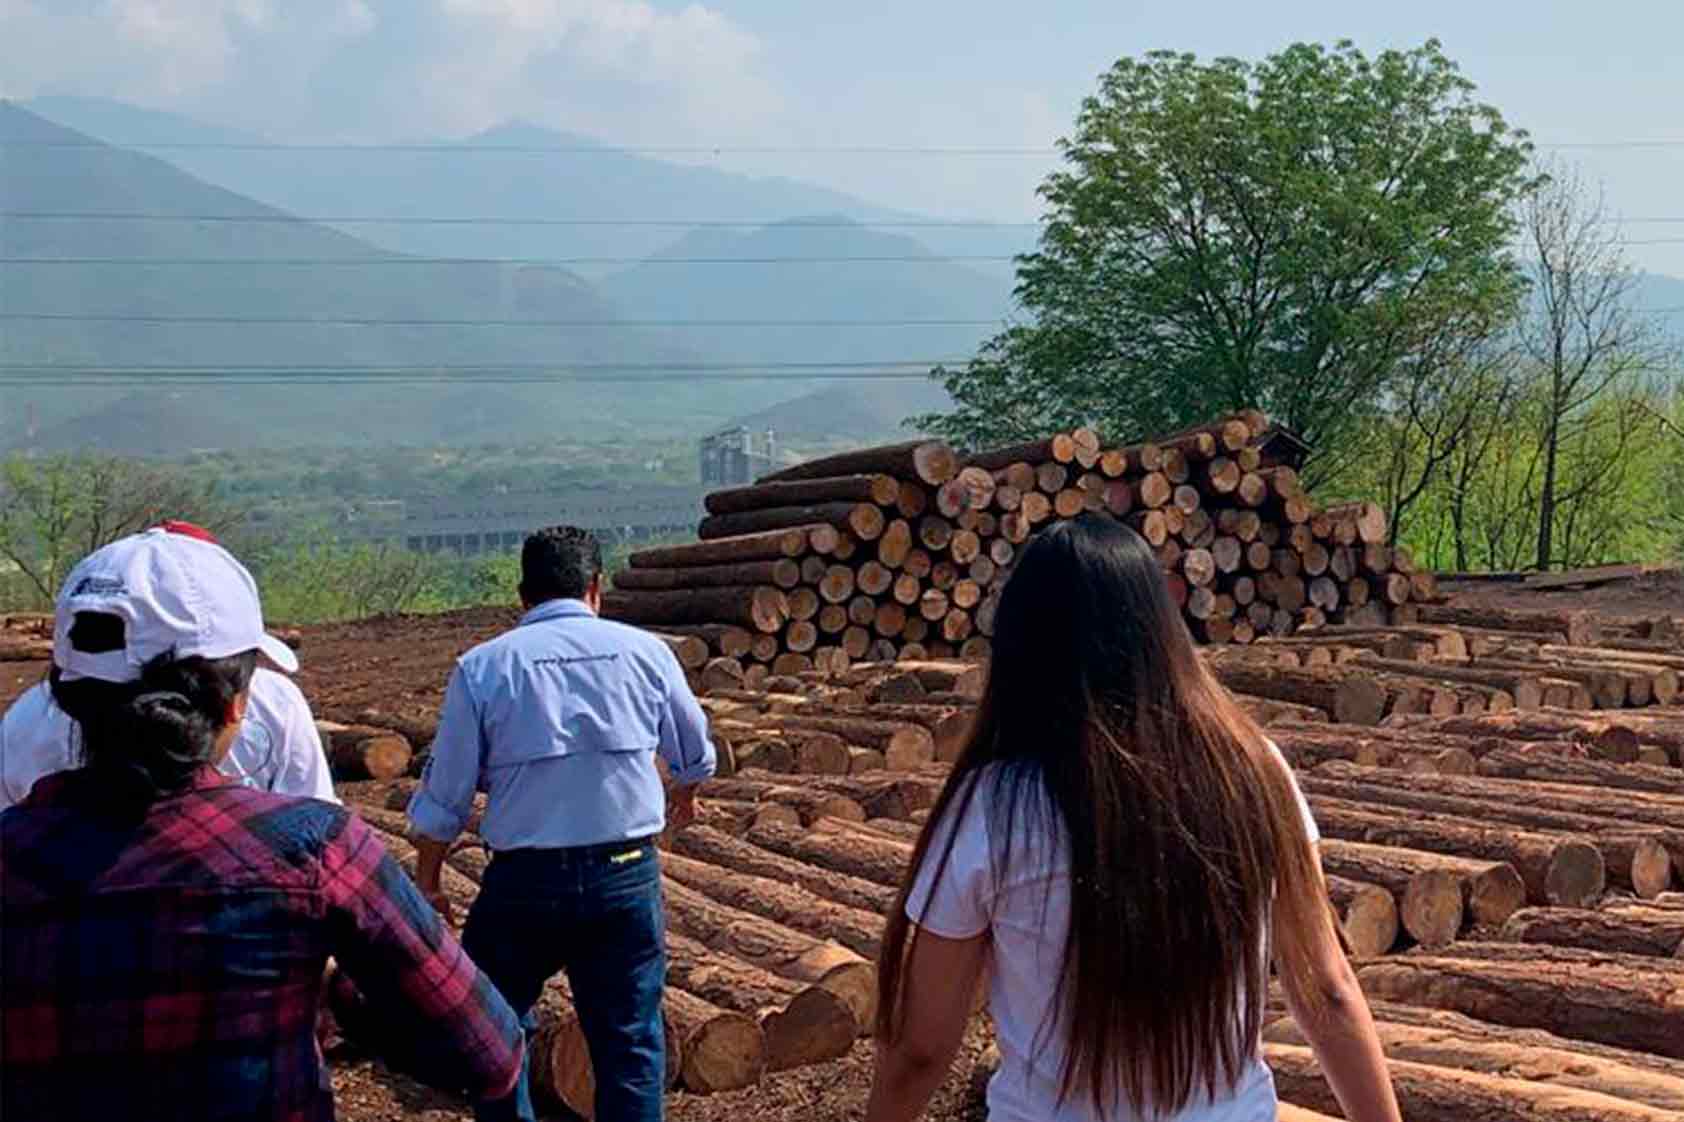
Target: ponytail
(146, 739)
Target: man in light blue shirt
(560, 721)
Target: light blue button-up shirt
(559, 721)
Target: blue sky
(939, 73)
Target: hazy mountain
(597, 201)
(271, 266)
(1663, 296)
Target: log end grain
(1432, 908)
(1577, 875)
(815, 1027)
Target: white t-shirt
(278, 748)
(1026, 911)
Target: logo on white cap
(175, 595)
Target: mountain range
(265, 280)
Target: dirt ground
(398, 667)
(834, 1092)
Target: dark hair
(1100, 721)
(146, 739)
(557, 563)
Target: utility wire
(396, 259)
(461, 148)
(662, 223)
(360, 321)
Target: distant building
(735, 456)
(499, 523)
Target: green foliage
(55, 511)
(1280, 235)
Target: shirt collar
(556, 609)
(66, 786)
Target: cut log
(771, 546)
(1637, 858)
(784, 573)
(764, 609)
(800, 1024)
(1557, 869)
(1579, 628)
(717, 1050)
(691, 651)
(864, 521)
(1622, 1001)
(809, 803)
(775, 949)
(1368, 916)
(929, 461)
(1347, 699)
(1427, 1093)
(1433, 1036)
(361, 752)
(1511, 763)
(1060, 449)
(1631, 930)
(884, 490)
(880, 861)
(1434, 891)
(715, 847)
(1606, 738)
(788, 904)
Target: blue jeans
(595, 913)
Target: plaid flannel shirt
(172, 968)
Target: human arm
(413, 995)
(684, 745)
(444, 800)
(940, 979)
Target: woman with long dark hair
(1119, 852)
(164, 929)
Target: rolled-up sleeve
(443, 802)
(685, 745)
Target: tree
(1278, 235)
(1583, 337)
(54, 512)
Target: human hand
(681, 807)
(442, 905)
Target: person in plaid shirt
(164, 930)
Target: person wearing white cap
(278, 748)
(164, 929)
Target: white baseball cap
(175, 594)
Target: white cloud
(374, 69)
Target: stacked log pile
(902, 550)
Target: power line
(873, 259)
(360, 321)
(459, 148)
(18, 374)
(406, 220)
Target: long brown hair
(1184, 834)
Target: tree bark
(1579, 627)
(929, 461)
(1435, 893)
(801, 1024)
(1609, 739)
(787, 904)
(783, 573)
(1428, 1093)
(361, 752)
(1367, 914)
(1560, 870)
(877, 860)
(1511, 763)
(759, 608)
(883, 490)
(713, 846)
(864, 521)
(770, 546)
(1656, 932)
(1348, 700)
(776, 949)
(1626, 1002)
